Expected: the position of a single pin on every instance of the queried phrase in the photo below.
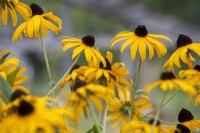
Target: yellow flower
(184, 48)
(139, 40)
(11, 6)
(31, 115)
(110, 75)
(192, 75)
(85, 44)
(83, 94)
(123, 109)
(186, 118)
(38, 24)
(168, 82)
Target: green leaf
(11, 77)
(94, 129)
(5, 89)
(3, 58)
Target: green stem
(104, 118)
(161, 105)
(67, 72)
(136, 81)
(46, 61)
(158, 112)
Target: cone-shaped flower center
(183, 40)
(125, 109)
(76, 66)
(16, 94)
(25, 108)
(36, 9)
(108, 65)
(78, 83)
(152, 120)
(167, 75)
(185, 115)
(182, 129)
(197, 67)
(141, 31)
(88, 40)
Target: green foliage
(5, 89)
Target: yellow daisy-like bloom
(111, 74)
(83, 94)
(184, 47)
(38, 24)
(192, 75)
(140, 40)
(122, 109)
(186, 118)
(169, 82)
(11, 6)
(32, 115)
(85, 44)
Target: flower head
(38, 24)
(85, 44)
(139, 40)
(168, 82)
(13, 6)
(184, 48)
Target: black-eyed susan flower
(38, 24)
(84, 93)
(186, 118)
(11, 7)
(192, 75)
(121, 110)
(83, 45)
(30, 114)
(115, 74)
(179, 128)
(140, 40)
(169, 82)
(184, 48)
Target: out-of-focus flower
(169, 82)
(38, 24)
(11, 7)
(139, 41)
(184, 48)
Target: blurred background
(104, 19)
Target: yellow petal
(77, 51)
(19, 31)
(142, 49)
(36, 26)
(133, 49)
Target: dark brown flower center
(76, 66)
(16, 94)
(185, 115)
(197, 67)
(167, 75)
(108, 65)
(25, 108)
(78, 83)
(36, 9)
(152, 120)
(88, 40)
(183, 40)
(141, 31)
(182, 129)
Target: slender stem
(104, 118)
(136, 81)
(46, 61)
(158, 112)
(93, 116)
(67, 72)
(161, 105)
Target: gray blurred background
(104, 19)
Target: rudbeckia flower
(13, 6)
(192, 75)
(184, 48)
(122, 109)
(85, 44)
(179, 128)
(140, 40)
(30, 114)
(169, 82)
(38, 24)
(83, 93)
(186, 118)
